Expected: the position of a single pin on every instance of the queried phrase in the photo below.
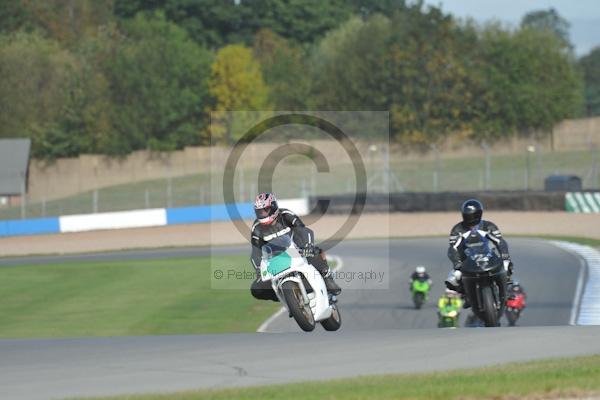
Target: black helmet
(471, 212)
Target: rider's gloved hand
(508, 266)
(310, 250)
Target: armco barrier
(137, 218)
(445, 201)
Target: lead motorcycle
(298, 285)
(484, 279)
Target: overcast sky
(583, 15)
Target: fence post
(169, 191)
(488, 166)
(594, 148)
(95, 201)
(23, 199)
(436, 169)
(386, 169)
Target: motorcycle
(420, 291)
(448, 317)
(484, 279)
(514, 306)
(298, 285)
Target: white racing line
(265, 325)
(586, 304)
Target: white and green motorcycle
(298, 285)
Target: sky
(583, 15)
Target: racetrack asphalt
(379, 332)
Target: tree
(65, 21)
(215, 23)
(158, 81)
(366, 8)
(527, 82)
(211, 23)
(14, 16)
(284, 69)
(590, 67)
(303, 21)
(548, 20)
(37, 77)
(429, 87)
(408, 64)
(236, 83)
(348, 67)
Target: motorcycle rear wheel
(300, 311)
(334, 322)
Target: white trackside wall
(113, 220)
(159, 217)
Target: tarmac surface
(381, 331)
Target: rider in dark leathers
(272, 222)
(472, 211)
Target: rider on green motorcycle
(449, 306)
(420, 274)
(451, 299)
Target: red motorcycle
(514, 306)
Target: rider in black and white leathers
(283, 221)
(486, 229)
(461, 234)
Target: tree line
(114, 76)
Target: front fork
(497, 292)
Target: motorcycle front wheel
(490, 313)
(512, 317)
(419, 299)
(300, 311)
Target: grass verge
(150, 297)
(555, 378)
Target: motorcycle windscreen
(480, 257)
(276, 256)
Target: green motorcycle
(420, 292)
(448, 317)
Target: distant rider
(271, 222)
(450, 299)
(419, 274)
(516, 289)
(487, 231)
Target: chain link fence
(298, 178)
